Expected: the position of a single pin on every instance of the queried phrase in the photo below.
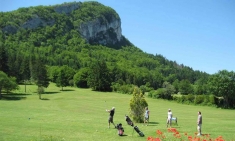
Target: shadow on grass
(51, 92)
(153, 123)
(67, 90)
(123, 135)
(45, 99)
(14, 96)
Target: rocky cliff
(102, 33)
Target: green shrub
(199, 99)
(206, 100)
(190, 98)
(175, 98)
(137, 105)
(211, 99)
(155, 94)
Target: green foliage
(222, 84)
(170, 89)
(7, 83)
(65, 75)
(39, 73)
(185, 87)
(53, 72)
(137, 106)
(124, 89)
(99, 76)
(207, 100)
(199, 99)
(80, 78)
(91, 10)
(3, 57)
(191, 98)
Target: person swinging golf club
(111, 115)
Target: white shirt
(169, 115)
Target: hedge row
(209, 100)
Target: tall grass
(79, 115)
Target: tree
(176, 84)
(201, 86)
(64, 76)
(3, 58)
(40, 75)
(185, 87)
(53, 73)
(169, 90)
(222, 84)
(99, 76)
(25, 70)
(80, 78)
(137, 105)
(7, 83)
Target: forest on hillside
(58, 53)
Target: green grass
(79, 115)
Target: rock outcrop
(99, 32)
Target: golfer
(199, 123)
(169, 117)
(146, 116)
(111, 115)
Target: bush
(211, 99)
(190, 98)
(206, 100)
(175, 98)
(183, 99)
(137, 105)
(199, 99)
(124, 89)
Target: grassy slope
(79, 114)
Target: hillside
(77, 35)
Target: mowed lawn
(79, 115)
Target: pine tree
(40, 75)
(99, 76)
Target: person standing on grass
(169, 117)
(146, 116)
(199, 123)
(111, 115)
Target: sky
(196, 33)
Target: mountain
(77, 35)
(93, 21)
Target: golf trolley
(120, 129)
(174, 120)
(129, 122)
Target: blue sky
(197, 33)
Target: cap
(169, 109)
(113, 108)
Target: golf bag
(120, 129)
(129, 122)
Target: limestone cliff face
(101, 30)
(98, 32)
